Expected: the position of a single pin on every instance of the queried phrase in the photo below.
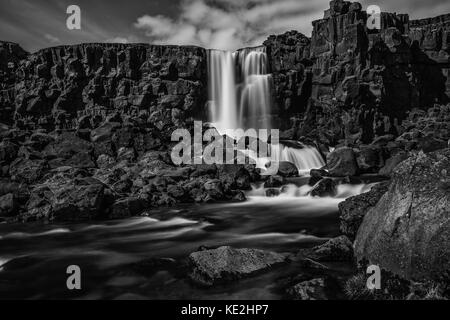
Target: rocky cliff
(79, 86)
(367, 75)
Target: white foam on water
(21, 235)
(291, 194)
(3, 261)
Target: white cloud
(51, 38)
(129, 39)
(228, 25)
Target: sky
(218, 24)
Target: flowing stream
(145, 257)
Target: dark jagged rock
(81, 85)
(335, 249)
(68, 195)
(353, 209)
(226, 264)
(8, 205)
(314, 289)
(362, 82)
(407, 231)
(287, 169)
(324, 188)
(342, 162)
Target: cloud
(51, 38)
(228, 25)
(128, 39)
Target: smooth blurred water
(35, 256)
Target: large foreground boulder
(353, 209)
(408, 231)
(226, 264)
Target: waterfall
(222, 90)
(240, 96)
(240, 89)
(305, 159)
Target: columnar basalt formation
(398, 67)
(373, 75)
(69, 87)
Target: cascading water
(240, 96)
(305, 159)
(239, 89)
(222, 90)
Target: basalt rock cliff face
(86, 132)
(372, 77)
(78, 87)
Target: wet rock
(175, 191)
(27, 170)
(272, 192)
(66, 196)
(407, 232)
(318, 173)
(239, 196)
(8, 205)
(335, 249)
(125, 208)
(274, 182)
(342, 162)
(8, 151)
(226, 264)
(104, 161)
(370, 158)
(204, 170)
(214, 188)
(234, 176)
(309, 290)
(287, 169)
(392, 162)
(324, 188)
(353, 209)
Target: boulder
(353, 209)
(274, 182)
(214, 188)
(407, 232)
(342, 162)
(66, 196)
(324, 188)
(125, 208)
(224, 264)
(8, 151)
(272, 192)
(27, 170)
(335, 249)
(370, 158)
(392, 162)
(287, 169)
(313, 289)
(8, 205)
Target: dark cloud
(226, 24)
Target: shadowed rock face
(379, 75)
(80, 86)
(225, 264)
(407, 232)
